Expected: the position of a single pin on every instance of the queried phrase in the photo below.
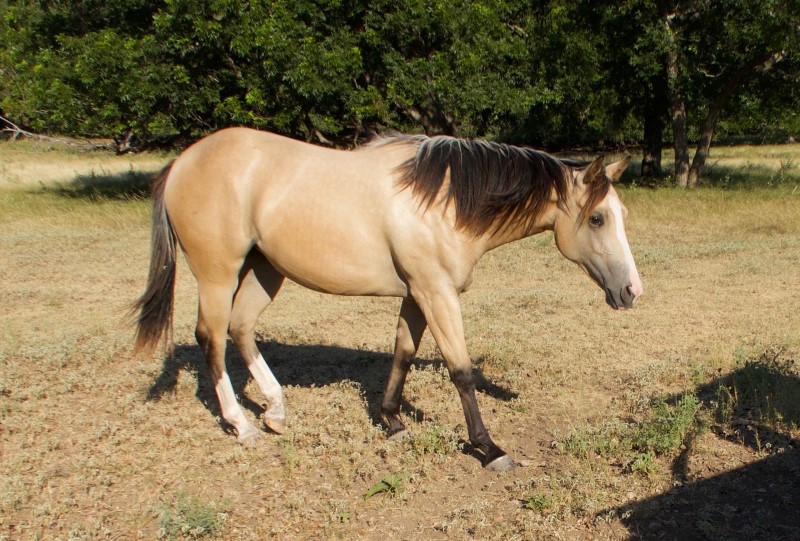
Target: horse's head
(590, 230)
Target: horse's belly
(324, 225)
(333, 263)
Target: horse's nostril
(628, 296)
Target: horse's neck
(518, 231)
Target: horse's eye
(596, 220)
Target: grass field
(676, 420)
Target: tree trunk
(654, 124)
(432, 115)
(433, 118)
(759, 64)
(678, 109)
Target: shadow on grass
(749, 176)
(304, 366)
(758, 501)
(105, 186)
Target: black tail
(155, 305)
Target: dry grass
(28, 163)
(96, 445)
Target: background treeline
(552, 74)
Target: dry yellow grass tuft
(94, 444)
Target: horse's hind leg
(410, 327)
(259, 282)
(215, 289)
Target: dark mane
(492, 185)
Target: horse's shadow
(304, 366)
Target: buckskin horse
(404, 216)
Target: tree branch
(16, 132)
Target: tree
(635, 66)
(681, 62)
(715, 47)
(552, 74)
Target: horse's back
(319, 215)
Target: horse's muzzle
(623, 298)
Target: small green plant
(537, 502)
(343, 516)
(291, 456)
(391, 484)
(762, 389)
(604, 440)
(435, 440)
(643, 463)
(668, 427)
(725, 404)
(191, 519)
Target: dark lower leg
(410, 327)
(390, 407)
(478, 435)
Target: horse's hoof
(249, 438)
(499, 464)
(276, 425)
(400, 435)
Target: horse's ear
(615, 170)
(591, 171)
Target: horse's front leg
(410, 327)
(442, 310)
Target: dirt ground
(95, 444)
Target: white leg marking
(231, 411)
(275, 416)
(266, 381)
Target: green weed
(191, 519)
(391, 484)
(291, 456)
(604, 440)
(643, 463)
(663, 432)
(435, 440)
(668, 427)
(760, 394)
(537, 502)
(343, 516)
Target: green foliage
(758, 403)
(552, 73)
(643, 464)
(391, 484)
(668, 427)
(191, 519)
(604, 440)
(435, 440)
(537, 502)
(663, 432)
(763, 390)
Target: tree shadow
(305, 366)
(105, 186)
(760, 500)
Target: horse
(406, 216)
